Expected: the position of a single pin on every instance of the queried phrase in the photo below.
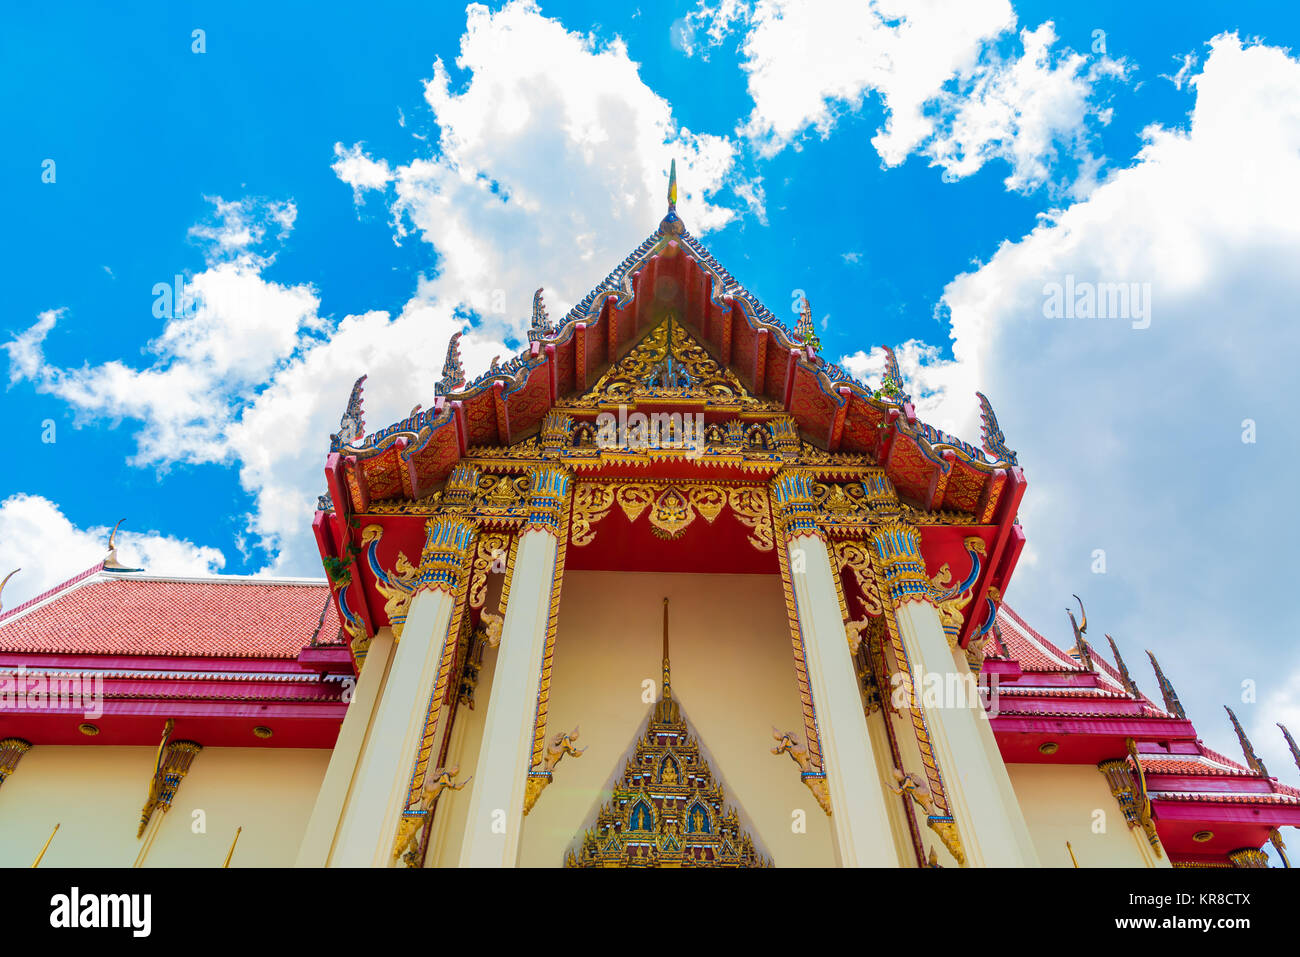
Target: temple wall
(732, 673)
(96, 793)
(1060, 803)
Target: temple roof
(103, 613)
(669, 273)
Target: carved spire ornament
(1125, 678)
(805, 329)
(1172, 704)
(994, 441)
(453, 371)
(891, 385)
(352, 424)
(1290, 743)
(1252, 759)
(672, 225)
(1081, 648)
(540, 327)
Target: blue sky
(345, 188)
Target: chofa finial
(671, 225)
(6, 582)
(111, 564)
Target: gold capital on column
(548, 497)
(902, 569)
(448, 548)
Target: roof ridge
(51, 592)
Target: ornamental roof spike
(1290, 743)
(1172, 704)
(1081, 648)
(5, 581)
(453, 370)
(892, 383)
(993, 440)
(540, 326)
(110, 563)
(672, 225)
(805, 329)
(352, 424)
(1129, 684)
(1252, 759)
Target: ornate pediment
(669, 364)
(666, 809)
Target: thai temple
(667, 589)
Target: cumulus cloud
(1169, 448)
(38, 538)
(947, 90)
(551, 164)
(359, 171)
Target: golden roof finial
(6, 582)
(111, 564)
(667, 682)
(671, 225)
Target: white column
(494, 822)
(326, 815)
(992, 828)
(381, 787)
(859, 819)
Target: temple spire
(671, 225)
(1172, 704)
(1290, 743)
(1129, 684)
(111, 564)
(666, 710)
(667, 679)
(1252, 759)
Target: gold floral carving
(672, 507)
(669, 363)
(489, 557)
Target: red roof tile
(108, 614)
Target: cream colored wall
(732, 672)
(95, 795)
(1060, 803)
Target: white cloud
(716, 20)
(26, 354)
(946, 91)
(1019, 109)
(1131, 439)
(38, 538)
(358, 170)
(551, 166)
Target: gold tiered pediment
(670, 364)
(666, 810)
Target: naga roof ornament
(994, 441)
(1290, 742)
(453, 370)
(540, 327)
(804, 329)
(1252, 759)
(892, 384)
(1129, 684)
(352, 424)
(1081, 648)
(1172, 704)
